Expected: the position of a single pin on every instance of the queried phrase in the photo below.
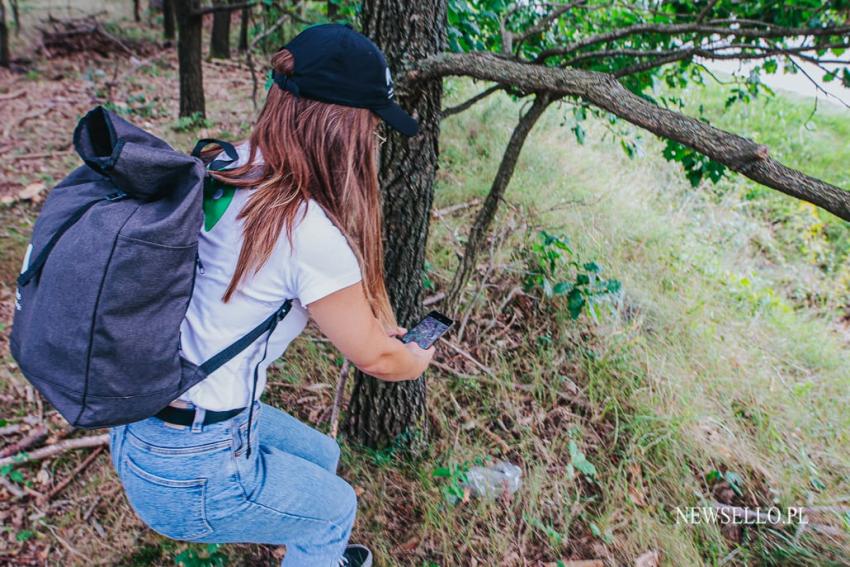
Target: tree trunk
(243, 29)
(16, 16)
(168, 19)
(333, 10)
(484, 219)
(381, 413)
(189, 29)
(137, 10)
(5, 55)
(220, 38)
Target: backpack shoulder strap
(267, 326)
(218, 164)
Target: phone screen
(428, 330)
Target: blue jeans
(196, 484)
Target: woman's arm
(346, 319)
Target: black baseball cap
(337, 65)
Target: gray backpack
(109, 275)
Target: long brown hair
(319, 151)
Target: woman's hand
(423, 356)
(346, 319)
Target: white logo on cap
(390, 91)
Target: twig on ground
(338, 394)
(13, 95)
(61, 447)
(440, 213)
(10, 429)
(10, 486)
(19, 492)
(34, 437)
(434, 299)
(40, 155)
(469, 357)
(77, 470)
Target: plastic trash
(494, 480)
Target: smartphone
(428, 330)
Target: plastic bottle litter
(494, 480)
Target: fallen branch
(58, 448)
(338, 394)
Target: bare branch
(451, 111)
(707, 10)
(544, 23)
(604, 91)
(705, 29)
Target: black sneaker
(356, 556)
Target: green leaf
(441, 472)
(575, 303)
(562, 287)
(845, 77)
(592, 267)
(579, 133)
(770, 66)
(25, 535)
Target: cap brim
(398, 119)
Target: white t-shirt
(318, 263)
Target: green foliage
(555, 269)
(191, 123)
(454, 476)
(211, 556)
(478, 25)
(696, 165)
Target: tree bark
(168, 19)
(381, 413)
(481, 227)
(333, 10)
(605, 91)
(220, 37)
(5, 55)
(137, 10)
(243, 29)
(189, 29)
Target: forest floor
(717, 375)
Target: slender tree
(168, 19)
(16, 16)
(220, 37)
(190, 30)
(137, 10)
(243, 28)
(5, 56)
(380, 412)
